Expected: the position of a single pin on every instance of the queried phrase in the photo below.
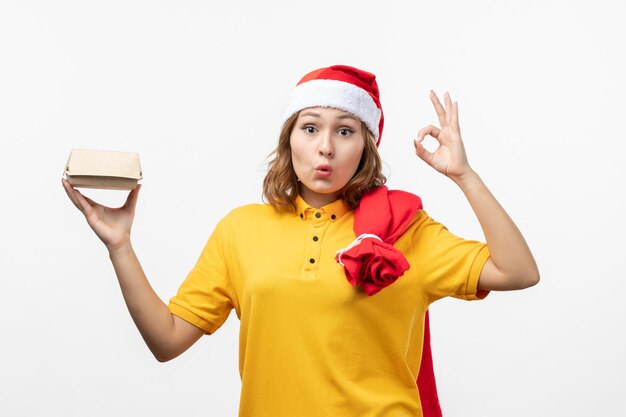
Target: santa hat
(342, 87)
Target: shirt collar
(332, 211)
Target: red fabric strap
(373, 264)
(426, 384)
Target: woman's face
(326, 148)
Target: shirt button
(318, 214)
(332, 216)
(312, 260)
(315, 239)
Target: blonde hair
(281, 186)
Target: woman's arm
(511, 265)
(166, 335)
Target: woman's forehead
(327, 112)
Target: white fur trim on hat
(337, 94)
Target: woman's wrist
(120, 249)
(466, 178)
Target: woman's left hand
(449, 158)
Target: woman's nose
(326, 145)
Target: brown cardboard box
(108, 170)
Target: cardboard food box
(108, 170)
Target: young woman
(333, 278)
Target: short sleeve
(446, 265)
(205, 298)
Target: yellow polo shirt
(310, 344)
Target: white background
(196, 88)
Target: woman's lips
(323, 171)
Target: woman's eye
(345, 132)
(309, 129)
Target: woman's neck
(317, 200)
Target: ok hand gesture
(449, 158)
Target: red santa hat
(342, 87)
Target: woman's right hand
(112, 225)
